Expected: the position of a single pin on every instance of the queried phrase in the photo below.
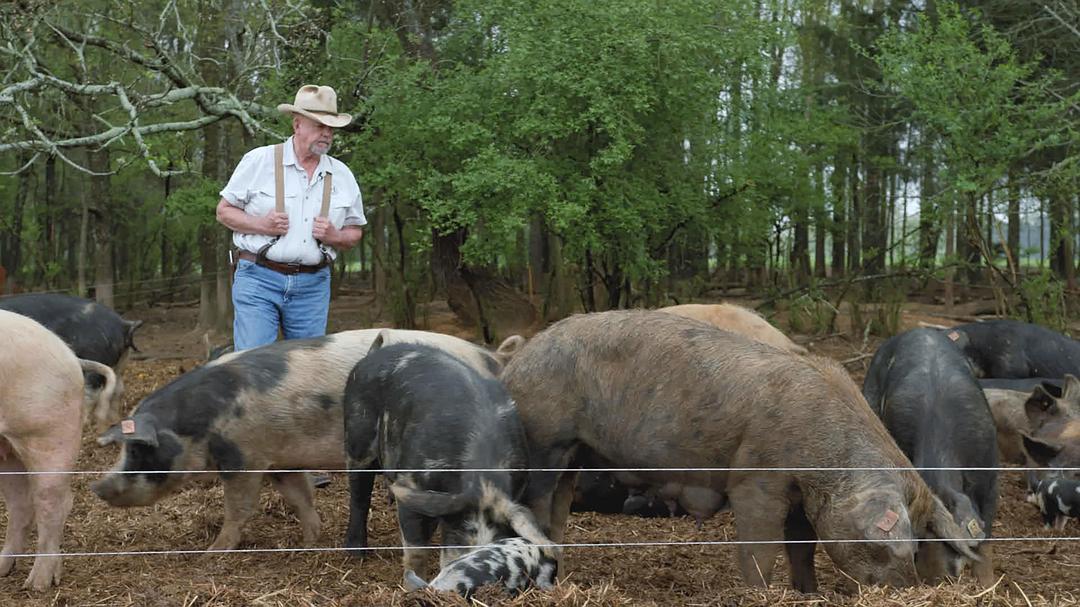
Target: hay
(1035, 573)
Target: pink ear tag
(954, 335)
(888, 521)
(127, 426)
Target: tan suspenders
(279, 183)
(279, 194)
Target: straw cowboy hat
(318, 103)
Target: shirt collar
(289, 157)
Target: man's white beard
(318, 149)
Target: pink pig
(41, 397)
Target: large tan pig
(739, 320)
(41, 397)
(652, 390)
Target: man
(291, 209)
(282, 277)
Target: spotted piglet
(514, 563)
(1058, 499)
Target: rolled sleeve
(242, 183)
(355, 215)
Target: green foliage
(967, 87)
(1046, 297)
(811, 313)
(194, 205)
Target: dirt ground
(268, 571)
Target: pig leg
(984, 569)
(759, 516)
(361, 485)
(52, 504)
(560, 505)
(801, 555)
(52, 499)
(295, 488)
(416, 532)
(20, 511)
(241, 499)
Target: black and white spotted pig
(415, 407)
(95, 333)
(273, 407)
(513, 563)
(1058, 499)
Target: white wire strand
(461, 470)
(658, 544)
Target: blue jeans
(265, 300)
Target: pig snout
(123, 491)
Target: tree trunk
(1012, 241)
(100, 203)
(1061, 260)
(477, 296)
(839, 223)
(11, 254)
(379, 251)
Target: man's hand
(275, 224)
(324, 231)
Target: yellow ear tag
(888, 521)
(974, 528)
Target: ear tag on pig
(954, 335)
(888, 521)
(127, 426)
(974, 528)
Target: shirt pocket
(264, 201)
(339, 206)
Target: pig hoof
(224, 543)
(42, 577)
(7, 565)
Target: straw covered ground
(1039, 572)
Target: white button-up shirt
(252, 189)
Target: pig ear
(132, 326)
(942, 526)
(509, 347)
(1041, 407)
(130, 430)
(1071, 391)
(378, 342)
(1039, 450)
(432, 504)
(522, 521)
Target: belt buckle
(294, 267)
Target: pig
(1007, 398)
(273, 407)
(597, 490)
(1058, 499)
(650, 389)
(41, 393)
(514, 563)
(415, 407)
(1054, 422)
(1010, 349)
(923, 390)
(94, 331)
(604, 491)
(737, 319)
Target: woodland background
(523, 160)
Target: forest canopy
(524, 160)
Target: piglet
(515, 563)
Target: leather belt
(283, 268)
